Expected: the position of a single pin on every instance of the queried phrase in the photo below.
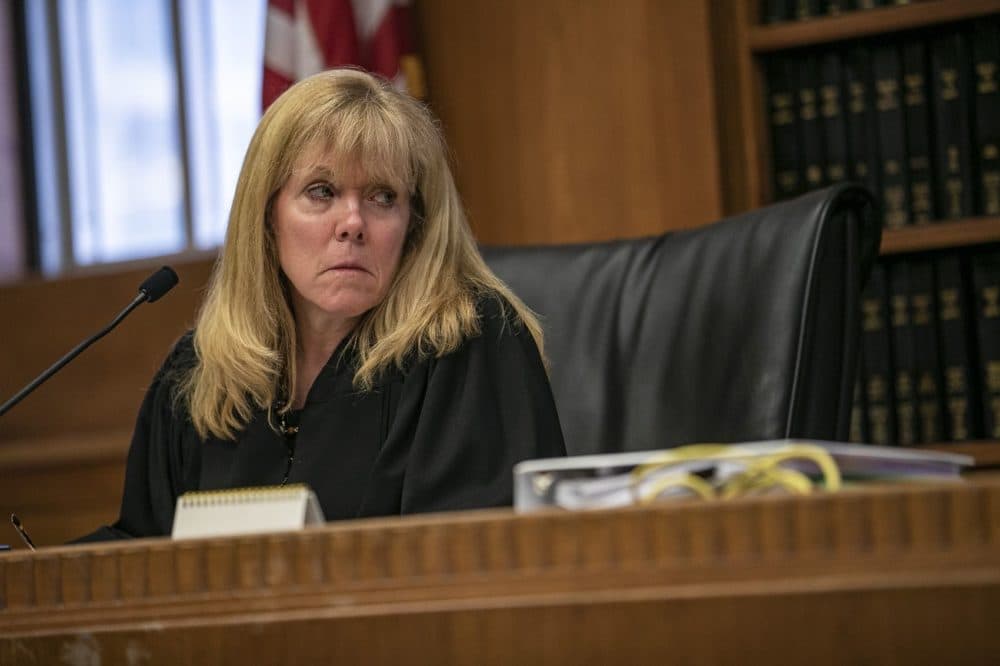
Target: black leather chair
(742, 330)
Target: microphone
(152, 289)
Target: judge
(352, 338)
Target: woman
(352, 337)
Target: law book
(775, 11)
(985, 61)
(859, 432)
(837, 7)
(832, 112)
(719, 472)
(986, 283)
(859, 97)
(877, 354)
(918, 140)
(950, 93)
(808, 9)
(923, 324)
(957, 350)
(783, 115)
(904, 358)
(887, 71)
(811, 137)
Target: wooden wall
(569, 120)
(576, 120)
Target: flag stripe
(304, 37)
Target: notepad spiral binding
(241, 495)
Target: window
(142, 110)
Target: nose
(350, 225)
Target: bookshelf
(744, 129)
(856, 24)
(941, 235)
(985, 452)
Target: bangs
(362, 134)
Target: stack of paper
(718, 471)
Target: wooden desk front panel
(891, 575)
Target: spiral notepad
(245, 511)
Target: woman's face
(339, 239)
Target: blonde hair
(245, 335)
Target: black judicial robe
(441, 435)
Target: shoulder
(179, 363)
(182, 356)
(496, 313)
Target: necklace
(288, 422)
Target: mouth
(348, 267)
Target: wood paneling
(102, 388)
(903, 574)
(576, 121)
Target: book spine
(837, 7)
(832, 112)
(860, 97)
(876, 350)
(951, 95)
(986, 282)
(783, 115)
(775, 11)
(918, 148)
(929, 383)
(810, 126)
(859, 432)
(887, 71)
(985, 61)
(807, 9)
(903, 355)
(955, 350)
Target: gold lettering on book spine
(993, 376)
(957, 408)
(991, 302)
(914, 95)
(949, 84)
(878, 418)
(887, 91)
(929, 421)
(949, 304)
(856, 91)
(871, 314)
(954, 379)
(986, 77)
(920, 191)
(991, 189)
(921, 308)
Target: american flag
(308, 36)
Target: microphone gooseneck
(152, 288)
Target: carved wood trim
(890, 536)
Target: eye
(384, 197)
(320, 191)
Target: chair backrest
(741, 330)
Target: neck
(315, 345)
